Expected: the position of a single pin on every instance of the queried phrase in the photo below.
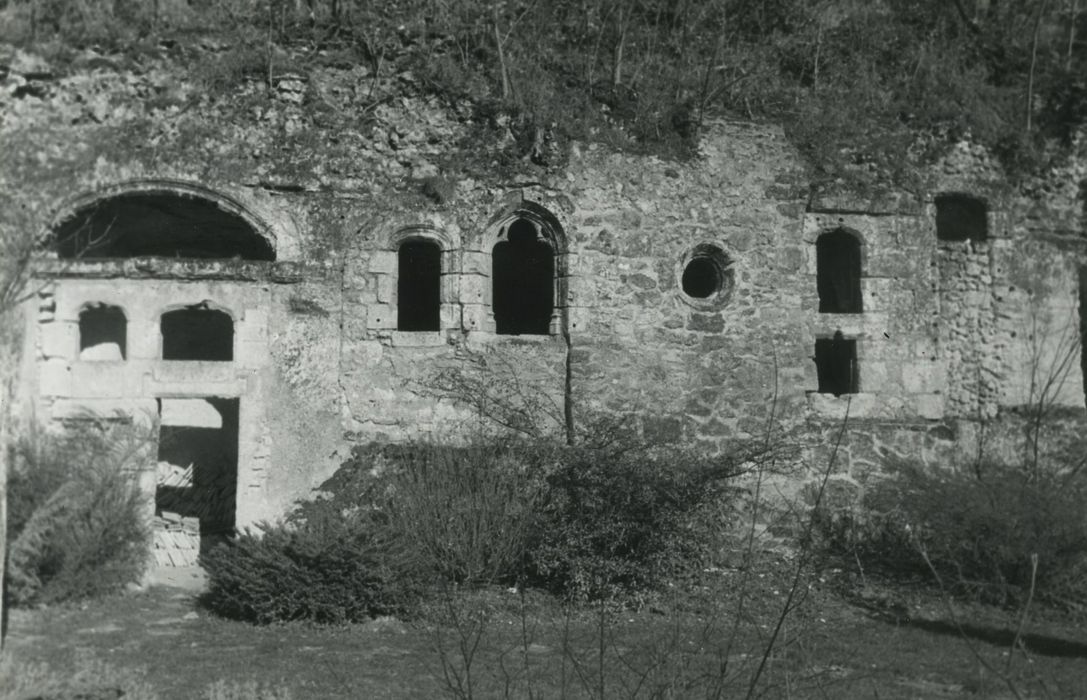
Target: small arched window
(103, 333)
(960, 217)
(523, 278)
(197, 333)
(418, 285)
(838, 272)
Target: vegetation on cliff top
(866, 89)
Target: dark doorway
(960, 217)
(836, 365)
(197, 482)
(161, 224)
(197, 333)
(523, 278)
(418, 286)
(103, 332)
(838, 273)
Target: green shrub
(616, 522)
(77, 525)
(330, 568)
(978, 528)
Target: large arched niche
(161, 219)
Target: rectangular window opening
(836, 365)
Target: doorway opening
(197, 480)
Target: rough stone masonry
(270, 274)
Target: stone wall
(953, 340)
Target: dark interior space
(197, 333)
(836, 365)
(103, 332)
(159, 224)
(960, 217)
(418, 286)
(212, 454)
(523, 279)
(701, 278)
(838, 273)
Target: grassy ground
(707, 643)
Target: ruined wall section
(703, 368)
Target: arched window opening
(523, 281)
(961, 217)
(418, 286)
(162, 224)
(838, 273)
(836, 365)
(197, 333)
(103, 332)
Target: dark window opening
(159, 224)
(838, 273)
(196, 488)
(961, 218)
(701, 278)
(103, 332)
(418, 286)
(836, 365)
(197, 333)
(523, 282)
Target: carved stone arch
(514, 217)
(77, 215)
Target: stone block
(381, 317)
(475, 289)
(476, 317)
(59, 339)
(253, 354)
(382, 262)
(475, 263)
(385, 288)
(929, 406)
(105, 380)
(449, 316)
(55, 377)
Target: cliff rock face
(315, 259)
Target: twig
(1026, 609)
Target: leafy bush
(330, 568)
(978, 528)
(77, 525)
(619, 522)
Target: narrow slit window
(103, 332)
(418, 286)
(836, 365)
(838, 273)
(197, 333)
(961, 217)
(524, 282)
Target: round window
(707, 275)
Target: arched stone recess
(113, 221)
(390, 270)
(523, 246)
(200, 331)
